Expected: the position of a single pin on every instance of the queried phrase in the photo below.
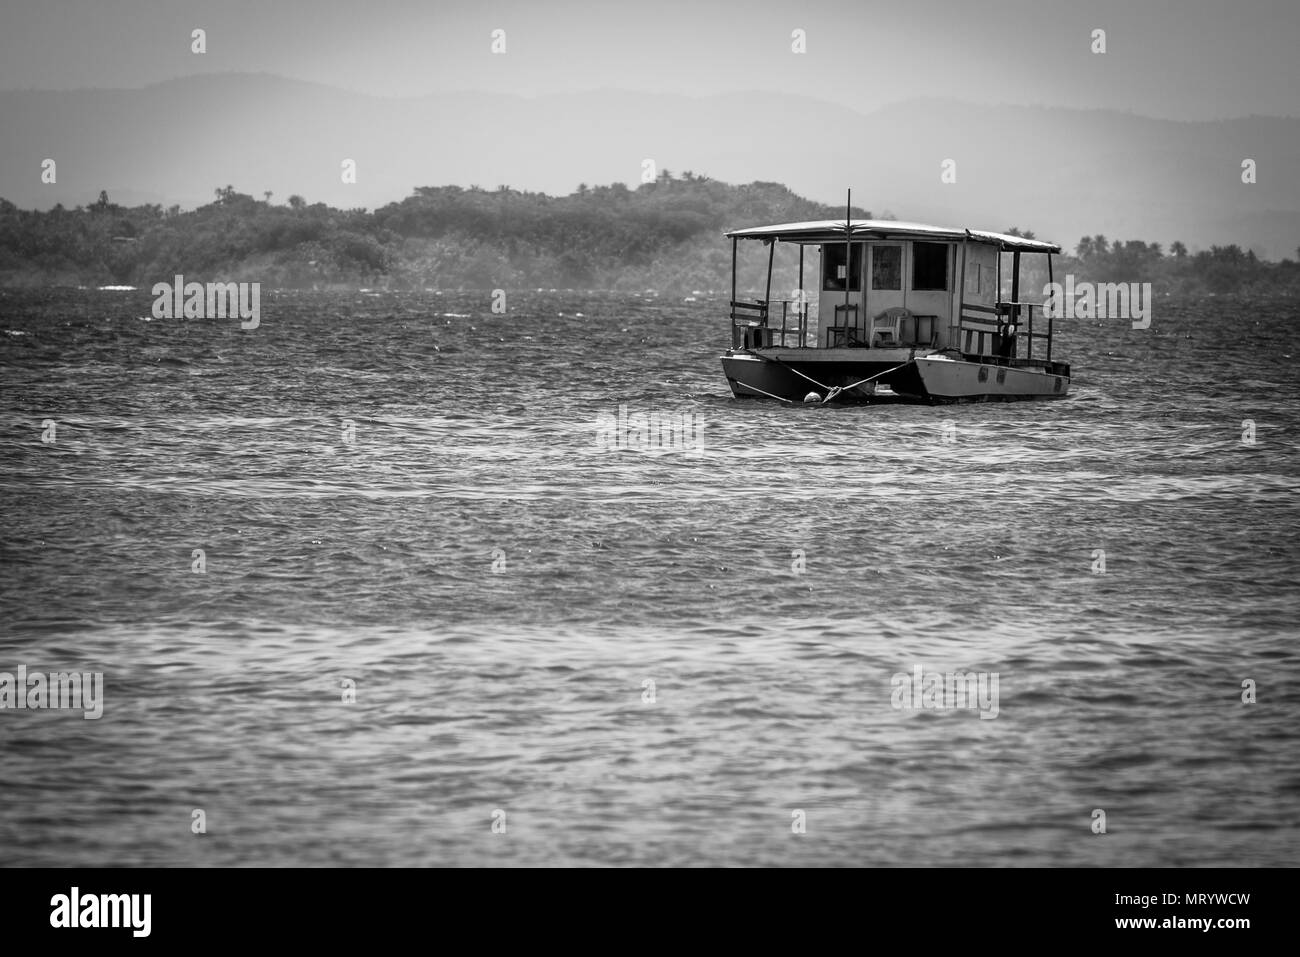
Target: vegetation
(1220, 270)
(665, 235)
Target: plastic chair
(888, 323)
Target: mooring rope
(824, 388)
(768, 394)
(830, 391)
(838, 389)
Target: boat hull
(917, 375)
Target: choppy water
(521, 688)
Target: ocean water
(562, 654)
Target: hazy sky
(1178, 59)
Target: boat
(903, 310)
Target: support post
(734, 343)
(848, 255)
(954, 325)
(1049, 318)
(767, 293)
(1029, 339)
(997, 302)
(803, 304)
(1015, 293)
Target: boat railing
(750, 316)
(975, 328)
(1022, 315)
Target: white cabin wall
(979, 300)
(981, 274)
(979, 295)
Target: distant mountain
(1063, 173)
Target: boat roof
(832, 230)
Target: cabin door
(885, 277)
(840, 310)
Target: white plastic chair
(889, 322)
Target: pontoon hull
(919, 375)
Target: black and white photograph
(488, 434)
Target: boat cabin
(882, 284)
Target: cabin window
(929, 266)
(833, 268)
(887, 267)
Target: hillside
(666, 235)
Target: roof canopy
(832, 230)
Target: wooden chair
(845, 331)
(927, 331)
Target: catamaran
(917, 309)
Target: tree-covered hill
(665, 235)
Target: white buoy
(812, 397)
